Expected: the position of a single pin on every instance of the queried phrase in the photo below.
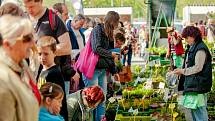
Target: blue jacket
(72, 35)
(44, 115)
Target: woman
(82, 102)
(19, 96)
(197, 72)
(175, 48)
(102, 35)
(52, 96)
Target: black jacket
(100, 44)
(200, 82)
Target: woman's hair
(121, 24)
(12, 9)
(90, 22)
(93, 94)
(192, 31)
(119, 30)
(47, 41)
(13, 27)
(50, 90)
(59, 7)
(110, 19)
(120, 37)
(79, 17)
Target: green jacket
(76, 109)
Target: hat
(170, 29)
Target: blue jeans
(100, 79)
(67, 87)
(200, 114)
(129, 56)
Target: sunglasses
(26, 38)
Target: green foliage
(119, 65)
(211, 15)
(157, 50)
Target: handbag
(125, 74)
(87, 60)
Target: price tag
(111, 99)
(135, 112)
(151, 63)
(166, 92)
(131, 110)
(136, 81)
(161, 85)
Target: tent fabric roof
(199, 9)
(103, 11)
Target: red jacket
(179, 50)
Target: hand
(76, 77)
(167, 55)
(116, 77)
(178, 71)
(53, 109)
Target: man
(62, 11)
(42, 25)
(77, 39)
(76, 35)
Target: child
(51, 72)
(52, 96)
(82, 103)
(118, 42)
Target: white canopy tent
(125, 12)
(195, 13)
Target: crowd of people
(41, 48)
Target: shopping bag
(125, 74)
(87, 60)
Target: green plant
(119, 65)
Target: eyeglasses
(26, 38)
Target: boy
(51, 72)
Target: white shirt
(80, 43)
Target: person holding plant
(196, 73)
(102, 35)
(175, 48)
(52, 96)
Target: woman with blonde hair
(20, 97)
